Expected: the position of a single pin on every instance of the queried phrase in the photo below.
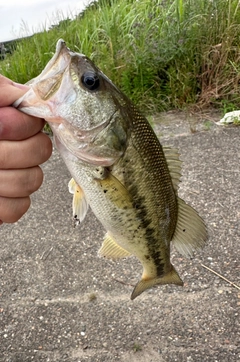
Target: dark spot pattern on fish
(151, 235)
(150, 232)
(154, 252)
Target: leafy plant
(137, 347)
(162, 53)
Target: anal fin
(111, 250)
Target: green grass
(137, 347)
(162, 54)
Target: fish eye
(90, 80)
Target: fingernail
(21, 86)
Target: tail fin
(171, 277)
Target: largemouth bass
(118, 166)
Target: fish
(118, 166)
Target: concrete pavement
(59, 302)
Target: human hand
(23, 147)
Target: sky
(17, 16)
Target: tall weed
(161, 53)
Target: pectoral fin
(190, 233)
(110, 249)
(79, 204)
(115, 191)
(171, 277)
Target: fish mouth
(57, 64)
(54, 69)
(60, 58)
(42, 87)
(60, 45)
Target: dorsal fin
(190, 233)
(174, 165)
(110, 249)
(79, 204)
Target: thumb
(10, 91)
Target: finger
(12, 209)
(16, 125)
(27, 153)
(20, 183)
(10, 91)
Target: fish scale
(157, 178)
(118, 165)
(153, 196)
